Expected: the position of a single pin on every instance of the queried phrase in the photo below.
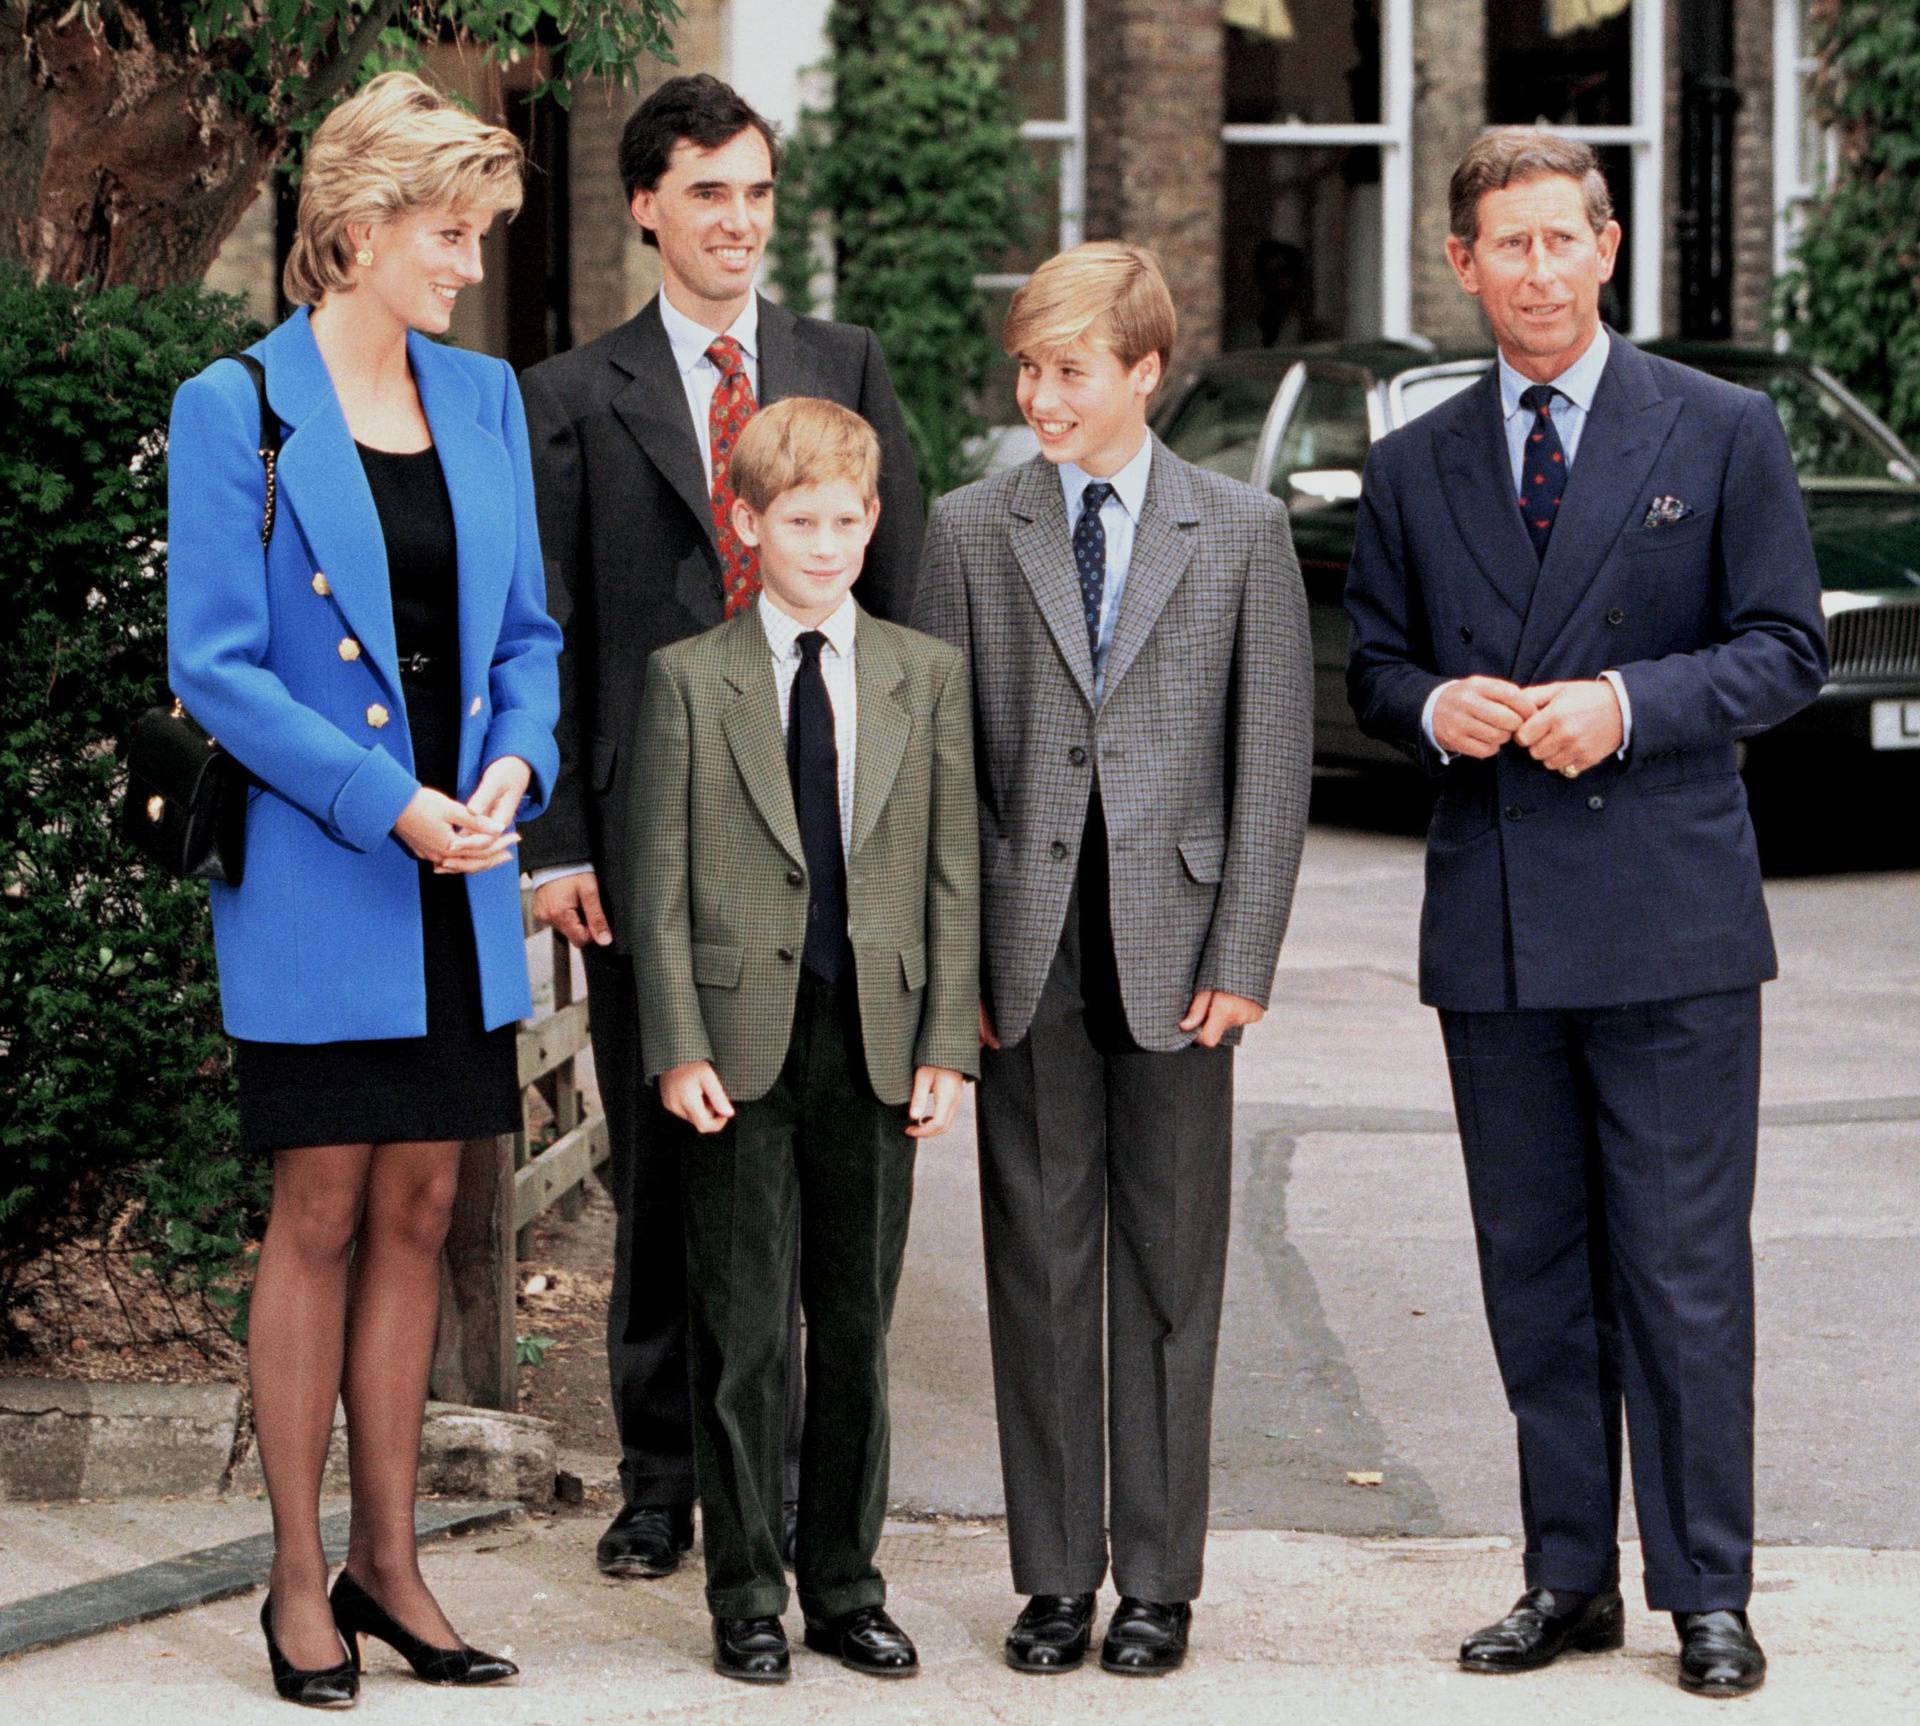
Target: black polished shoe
(1541, 1627)
(645, 1540)
(866, 1640)
(1051, 1634)
(322, 1687)
(753, 1650)
(1718, 1653)
(1146, 1638)
(789, 1530)
(356, 1614)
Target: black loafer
(1718, 1653)
(789, 1530)
(1540, 1629)
(865, 1640)
(753, 1650)
(1146, 1638)
(1051, 1634)
(645, 1540)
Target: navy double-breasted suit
(1595, 945)
(287, 655)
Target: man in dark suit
(1580, 669)
(631, 440)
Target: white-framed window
(1595, 70)
(1050, 84)
(1805, 154)
(1317, 211)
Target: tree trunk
(119, 163)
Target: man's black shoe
(751, 1649)
(645, 1540)
(1541, 1627)
(1051, 1633)
(789, 1530)
(1718, 1653)
(1145, 1638)
(866, 1640)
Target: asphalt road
(1354, 1336)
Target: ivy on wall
(916, 171)
(1852, 298)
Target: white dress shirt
(1573, 401)
(836, 667)
(699, 377)
(1119, 515)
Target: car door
(1311, 457)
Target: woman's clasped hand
(466, 838)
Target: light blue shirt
(1569, 407)
(1118, 517)
(699, 376)
(1573, 401)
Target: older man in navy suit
(1576, 587)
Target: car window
(1829, 438)
(1422, 392)
(1325, 443)
(1218, 425)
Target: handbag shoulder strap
(269, 440)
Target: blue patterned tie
(1543, 468)
(1090, 558)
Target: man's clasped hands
(1566, 727)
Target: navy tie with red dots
(1543, 468)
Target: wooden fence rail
(507, 1182)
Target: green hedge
(1852, 299)
(918, 167)
(115, 1090)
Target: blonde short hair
(396, 147)
(1104, 291)
(803, 441)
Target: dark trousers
(647, 1305)
(1105, 1183)
(821, 1167)
(1610, 1164)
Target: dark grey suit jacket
(627, 532)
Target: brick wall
(1155, 94)
(1753, 184)
(1449, 110)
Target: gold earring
(363, 257)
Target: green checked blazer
(719, 899)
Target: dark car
(1299, 423)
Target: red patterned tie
(733, 405)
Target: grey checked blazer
(1203, 741)
(720, 891)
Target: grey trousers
(1105, 1183)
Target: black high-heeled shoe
(323, 1687)
(356, 1613)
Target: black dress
(459, 1081)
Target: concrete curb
(61, 1439)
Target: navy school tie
(1090, 559)
(813, 769)
(1543, 468)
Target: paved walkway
(1293, 1627)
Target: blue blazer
(1637, 881)
(322, 941)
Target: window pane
(1040, 201)
(1301, 258)
(1311, 60)
(1038, 73)
(1560, 62)
(1616, 296)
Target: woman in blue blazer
(385, 669)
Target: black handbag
(186, 799)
